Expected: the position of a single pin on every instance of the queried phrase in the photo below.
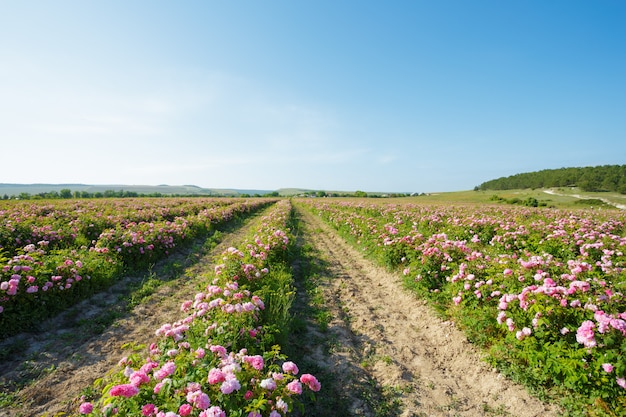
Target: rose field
(281, 322)
(55, 254)
(541, 290)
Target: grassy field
(560, 198)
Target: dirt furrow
(405, 347)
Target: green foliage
(596, 202)
(599, 178)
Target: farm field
(540, 290)
(323, 279)
(56, 253)
(561, 197)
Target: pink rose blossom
(255, 361)
(607, 367)
(220, 350)
(202, 401)
(311, 382)
(290, 368)
(510, 324)
(268, 384)
(214, 411)
(295, 387)
(585, 334)
(229, 386)
(216, 376)
(85, 408)
(148, 410)
(159, 386)
(184, 410)
(138, 378)
(166, 370)
(124, 390)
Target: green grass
(567, 200)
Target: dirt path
(606, 200)
(63, 362)
(382, 332)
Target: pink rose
(290, 367)
(311, 382)
(148, 409)
(85, 408)
(184, 410)
(295, 387)
(124, 390)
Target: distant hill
(13, 190)
(598, 178)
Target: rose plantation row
(541, 290)
(54, 254)
(223, 358)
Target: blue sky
(399, 96)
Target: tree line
(67, 193)
(599, 178)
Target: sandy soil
(402, 345)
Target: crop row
(222, 357)
(541, 290)
(59, 224)
(73, 249)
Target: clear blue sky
(416, 96)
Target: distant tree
(359, 193)
(65, 193)
(600, 178)
(50, 195)
(531, 202)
